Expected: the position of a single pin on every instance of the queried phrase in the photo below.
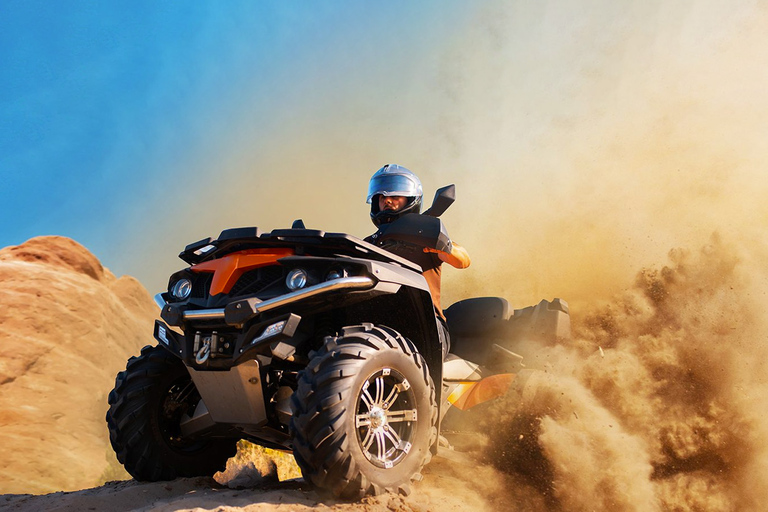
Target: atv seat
(477, 316)
(473, 325)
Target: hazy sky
(113, 113)
(586, 138)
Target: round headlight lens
(181, 288)
(297, 278)
(336, 273)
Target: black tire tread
(129, 423)
(320, 446)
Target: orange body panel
(469, 394)
(227, 270)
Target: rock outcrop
(67, 326)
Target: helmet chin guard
(394, 180)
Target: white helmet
(394, 180)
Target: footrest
(505, 360)
(456, 369)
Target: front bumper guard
(239, 312)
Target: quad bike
(318, 343)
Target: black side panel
(411, 313)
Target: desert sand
(445, 488)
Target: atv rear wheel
(364, 414)
(146, 406)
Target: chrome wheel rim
(385, 418)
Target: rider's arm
(458, 257)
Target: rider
(395, 191)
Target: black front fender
(170, 340)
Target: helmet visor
(393, 185)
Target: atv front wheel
(364, 414)
(150, 397)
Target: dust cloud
(658, 402)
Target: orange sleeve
(459, 257)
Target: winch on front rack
(211, 345)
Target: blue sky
(88, 94)
(616, 130)
(98, 98)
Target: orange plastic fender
(470, 394)
(228, 269)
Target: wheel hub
(386, 418)
(378, 417)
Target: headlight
(297, 278)
(336, 273)
(181, 289)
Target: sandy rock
(251, 474)
(56, 251)
(67, 327)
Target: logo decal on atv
(162, 334)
